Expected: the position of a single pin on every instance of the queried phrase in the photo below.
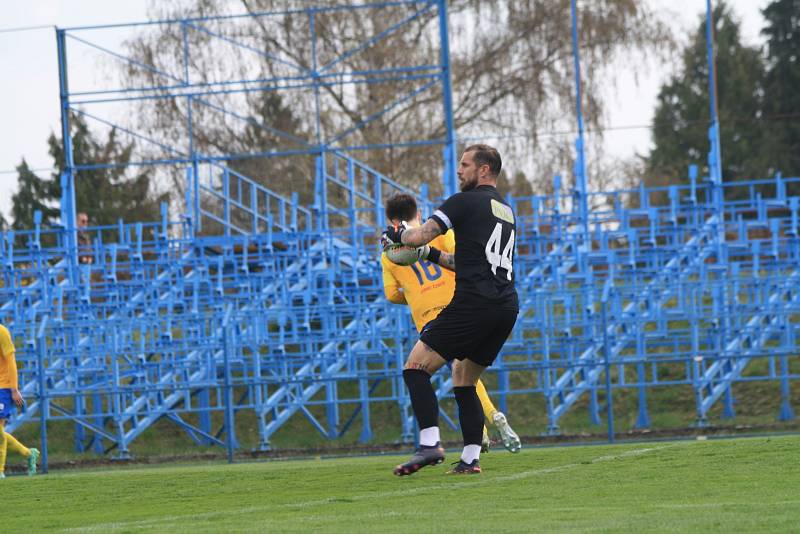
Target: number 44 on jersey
(493, 254)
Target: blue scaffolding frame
(251, 304)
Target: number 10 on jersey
(494, 256)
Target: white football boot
(509, 438)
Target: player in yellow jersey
(10, 396)
(427, 289)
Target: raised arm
(419, 238)
(421, 235)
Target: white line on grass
(724, 504)
(147, 523)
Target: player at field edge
(427, 289)
(9, 397)
(472, 328)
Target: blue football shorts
(6, 403)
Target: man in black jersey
(471, 330)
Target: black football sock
(470, 414)
(423, 398)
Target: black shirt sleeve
(451, 213)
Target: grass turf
(711, 486)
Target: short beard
(469, 186)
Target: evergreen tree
(782, 85)
(106, 194)
(33, 193)
(682, 117)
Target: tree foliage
(682, 117)
(758, 102)
(107, 194)
(33, 194)
(782, 85)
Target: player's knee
(423, 358)
(418, 365)
(459, 378)
(465, 373)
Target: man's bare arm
(421, 235)
(448, 261)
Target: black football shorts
(475, 333)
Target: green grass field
(742, 485)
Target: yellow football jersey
(424, 286)
(8, 365)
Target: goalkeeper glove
(429, 253)
(393, 234)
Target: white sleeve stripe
(445, 219)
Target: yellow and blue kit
(9, 381)
(8, 372)
(424, 286)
